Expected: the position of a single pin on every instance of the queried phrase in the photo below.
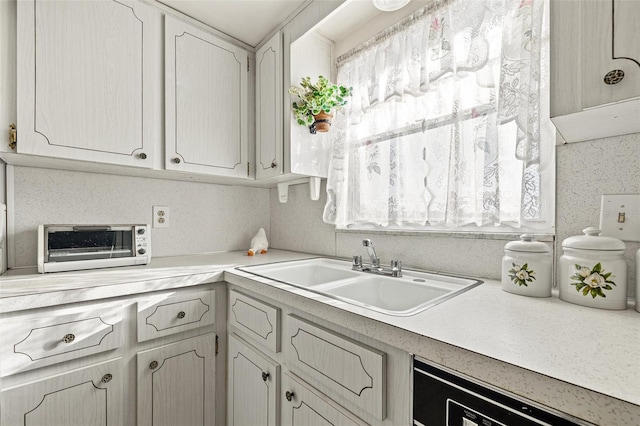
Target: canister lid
(591, 240)
(526, 244)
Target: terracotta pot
(322, 122)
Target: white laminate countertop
(576, 359)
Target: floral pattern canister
(526, 267)
(593, 271)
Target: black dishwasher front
(442, 398)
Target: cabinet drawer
(168, 314)
(41, 339)
(87, 396)
(339, 366)
(259, 321)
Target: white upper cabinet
(595, 68)
(269, 122)
(205, 102)
(87, 74)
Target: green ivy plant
(314, 98)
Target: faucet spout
(375, 260)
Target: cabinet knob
(265, 376)
(68, 338)
(289, 395)
(274, 164)
(106, 378)
(142, 156)
(153, 365)
(613, 77)
(176, 160)
(181, 314)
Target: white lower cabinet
(82, 365)
(90, 396)
(302, 405)
(330, 375)
(254, 385)
(176, 383)
(338, 365)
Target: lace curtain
(448, 123)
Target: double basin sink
(401, 296)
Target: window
(448, 124)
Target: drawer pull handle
(176, 160)
(181, 314)
(613, 77)
(274, 164)
(289, 396)
(106, 378)
(142, 156)
(153, 365)
(68, 338)
(265, 376)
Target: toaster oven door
(66, 244)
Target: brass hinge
(13, 136)
(247, 64)
(216, 345)
(248, 168)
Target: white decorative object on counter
(593, 271)
(259, 243)
(527, 267)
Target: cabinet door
(302, 405)
(88, 80)
(253, 386)
(90, 396)
(176, 383)
(269, 142)
(610, 41)
(206, 102)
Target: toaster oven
(78, 247)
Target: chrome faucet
(375, 260)
(394, 269)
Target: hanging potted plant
(317, 102)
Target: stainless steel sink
(414, 292)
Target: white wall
(586, 170)
(203, 217)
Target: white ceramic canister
(593, 271)
(527, 267)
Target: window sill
(506, 236)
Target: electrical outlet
(620, 216)
(160, 216)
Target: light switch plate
(620, 216)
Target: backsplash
(203, 217)
(209, 217)
(297, 225)
(585, 171)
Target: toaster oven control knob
(141, 231)
(141, 251)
